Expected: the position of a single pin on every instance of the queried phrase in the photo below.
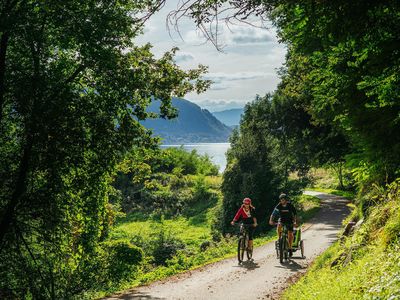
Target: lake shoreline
(216, 151)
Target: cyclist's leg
(251, 232)
(290, 235)
(279, 230)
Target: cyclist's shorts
(288, 225)
(251, 232)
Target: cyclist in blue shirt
(286, 214)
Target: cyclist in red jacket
(246, 214)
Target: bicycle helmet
(282, 196)
(247, 201)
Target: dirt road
(264, 278)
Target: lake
(216, 151)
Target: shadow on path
(249, 265)
(291, 265)
(136, 295)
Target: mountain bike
(282, 244)
(243, 242)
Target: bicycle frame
(243, 242)
(283, 244)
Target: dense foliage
(73, 86)
(338, 101)
(343, 56)
(162, 181)
(275, 140)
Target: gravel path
(263, 278)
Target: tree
(253, 166)
(306, 141)
(352, 63)
(73, 86)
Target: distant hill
(193, 124)
(230, 117)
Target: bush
(122, 258)
(165, 246)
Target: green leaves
(72, 91)
(342, 68)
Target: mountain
(230, 117)
(193, 124)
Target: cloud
(194, 37)
(219, 87)
(224, 81)
(224, 77)
(219, 105)
(251, 39)
(251, 36)
(246, 66)
(183, 57)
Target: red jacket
(246, 217)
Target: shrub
(165, 246)
(122, 259)
(204, 245)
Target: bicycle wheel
(241, 248)
(249, 251)
(302, 248)
(281, 249)
(285, 248)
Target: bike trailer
(297, 237)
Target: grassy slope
(365, 265)
(193, 231)
(325, 180)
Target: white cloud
(219, 105)
(183, 57)
(221, 76)
(246, 35)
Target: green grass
(182, 228)
(324, 178)
(346, 194)
(375, 274)
(365, 265)
(309, 206)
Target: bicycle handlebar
(243, 224)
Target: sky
(247, 66)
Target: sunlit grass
(180, 227)
(346, 194)
(365, 265)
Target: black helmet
(282, 196)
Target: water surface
(216, 151)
